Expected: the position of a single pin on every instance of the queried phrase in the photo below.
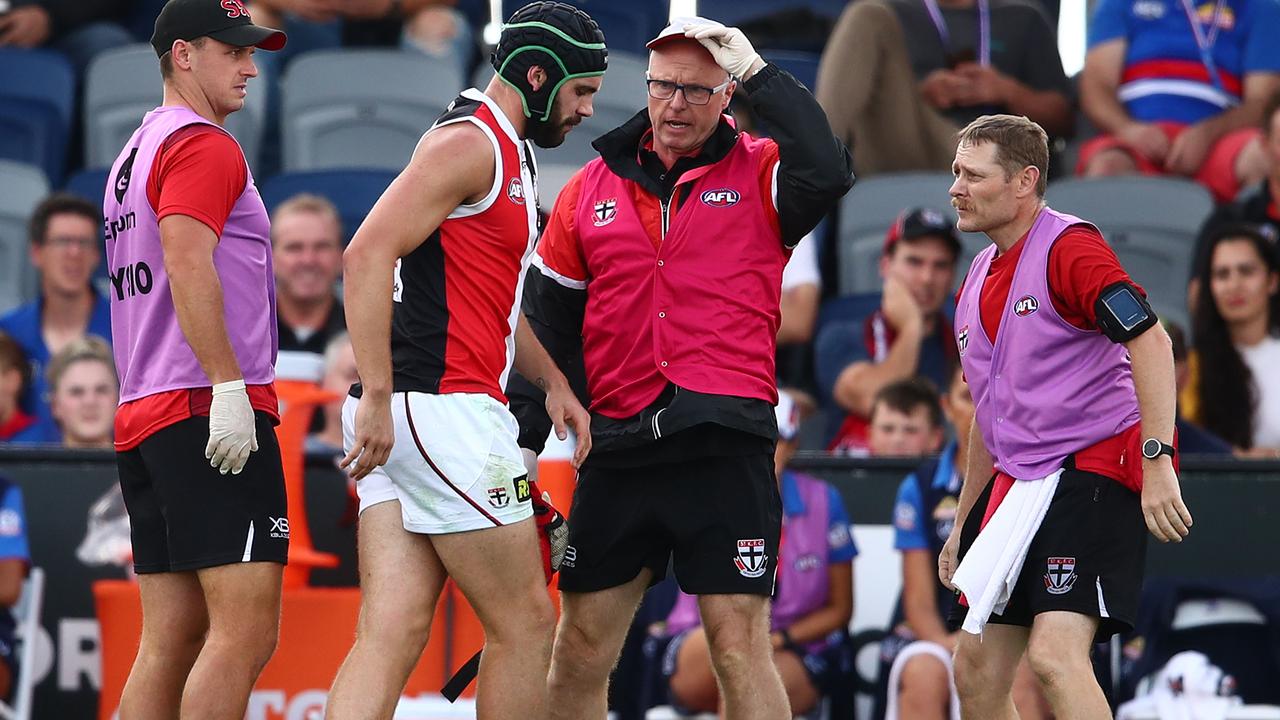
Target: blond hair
(310, 203)
(1020, 143)
(88, 348)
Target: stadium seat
(802, 65)
(22, 187)
(353, 191)
(124, 84)
(90, 184)
(867, 212)
(1152, 224)
(37, 93)
(361, 108)
(626, 26)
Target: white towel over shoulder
(991, 567)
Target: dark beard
(546, 134)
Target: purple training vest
(152, 354)
(802, 572)
(1046, 389)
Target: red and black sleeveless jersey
(457, 295)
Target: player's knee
(580, 655)
(972, 675)
(924, 681)
(530, 621)
(1052, 663)
(395, 625)
(734, 650)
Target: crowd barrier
(1237, 528)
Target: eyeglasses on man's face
(693, 94)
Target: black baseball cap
(227, 21)
(920, 222)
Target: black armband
(1123, 313)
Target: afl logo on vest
(724, 197)
(515, 191)
(1025, 306)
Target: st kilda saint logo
(723, 197)
(1025, 306)
(234, 9)
(962, 340)
(1060, 575)
(604, 212)
(751, 560)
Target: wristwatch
(1153, 448)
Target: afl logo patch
(724, 197)
(515, 191)
(1025, 306)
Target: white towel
(991, 567)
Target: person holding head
(920, 642)
(193, 327)
(1073, 388)
(907, 336)
(15, 425)
(432, 290)
(1235, 387)
(810, 614)
(906, 420)
(84, 392)
(306, 252)
(66, 242)
(660, 275)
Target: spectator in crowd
(899, 78)
(814, 600)
(906, 420)
(1192, 439)
(15, 559)
(434, 27)
(801, 294)
(15, 425)
(306, 252)
(78, 29)
(908, 335)
(1257, 207)
(339, 376)
(84, 392)
(1235, 387)
(66, 246)
(1179, 88)
(923, 518)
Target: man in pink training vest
(1073, 389)
(194, 334)
(662, 263)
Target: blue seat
(89, 184)
(353, 191)
(37, 92)
(802, 65)
(626, 26)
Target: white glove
(730, 48)
(231, 428)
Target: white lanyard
(1205, 43)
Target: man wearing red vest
(661, 266)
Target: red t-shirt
(199, 172)
(16, 423)
(1081, 265)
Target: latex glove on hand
(729, 46)
(232, 435)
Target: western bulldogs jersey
(457, 295)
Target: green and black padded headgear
(561, 39)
